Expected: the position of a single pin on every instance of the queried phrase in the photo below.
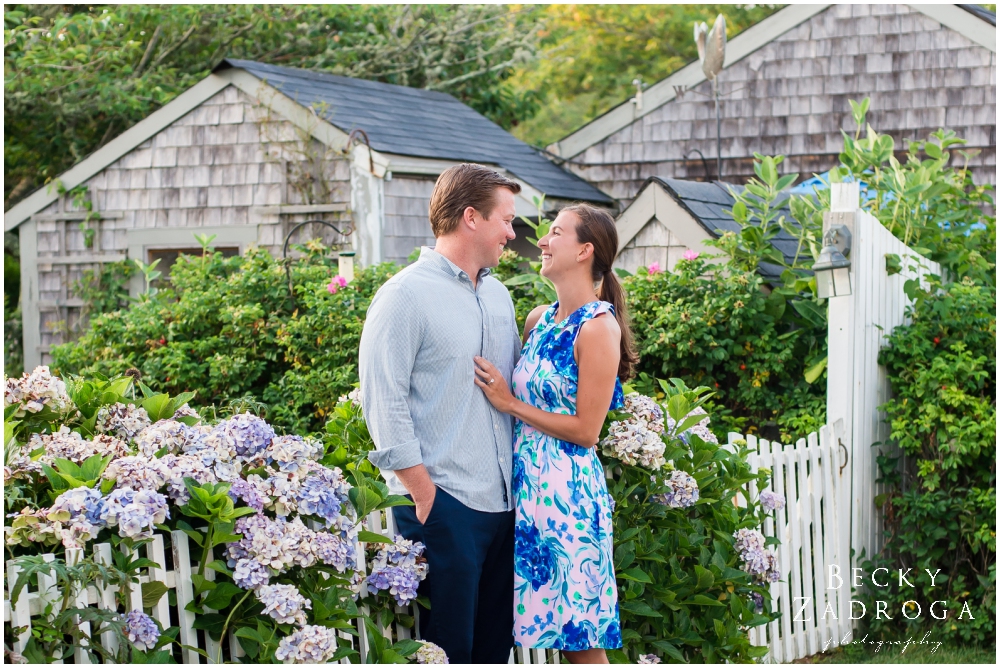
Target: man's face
(493, 232)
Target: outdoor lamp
(832, 269)
(345, 265)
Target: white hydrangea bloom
(169, 434)
(138, 473)
(310, 644)
(636, 440)
(35, 391)
(284, 603)
(123, 420)
(701, 428)
(430, 653)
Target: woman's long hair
(597, 227)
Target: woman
(576, 352)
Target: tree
(590, 54)
(76, 77)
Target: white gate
(814, 617)
(856, 384)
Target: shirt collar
(428, 254)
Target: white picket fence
(177, 578)
(810, 528)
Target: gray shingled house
(668, 217)
(786, 86)
(248, 153)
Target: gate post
(844, 200)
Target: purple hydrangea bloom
(243, 434)
(683, 491)
(772, 501)
(398, 568)
(284, 603)
(323, 492)
(141, 630)
(760, 563)
(135, 513)
(758, 601)
(79, 503)
(291, 452)
(334, 551)
(241, 490)
(250, 574)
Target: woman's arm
(597, 353)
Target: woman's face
(562, 252)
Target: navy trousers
(470, 580)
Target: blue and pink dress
(565, 596)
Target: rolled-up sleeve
(390, 341)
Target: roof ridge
(334, 78)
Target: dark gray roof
(708, 202)
(422, 123)
(981, 12)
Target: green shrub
(228, 327)
(682, 593)
(723, 331)
(941, 511)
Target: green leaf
(670, 650)
(152, 592)
(705, 577)
(212, 622)
(815, 371)
(391, 656)
(701, 599)
(639, 608)
(407, 647)
(893, 264)
(811, 311)
(219, 566)
(394, 500)
(201, 583)
(520, 279)
(636, 574)
(156, 406)
(221, 595)
(371, 537)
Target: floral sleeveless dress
(565, 596)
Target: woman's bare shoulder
(532, 319)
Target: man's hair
(463, 186)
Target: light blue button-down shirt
(423, 328)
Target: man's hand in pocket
(418, 483)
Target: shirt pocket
(499, 343)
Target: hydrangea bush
(693, 568)
(110, 461)
(685, 590)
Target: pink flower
(690, 254)
(337, 283)
(654, 268)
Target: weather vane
(712, 54)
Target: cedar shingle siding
(218, 165)
(919, 74)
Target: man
(438, 440)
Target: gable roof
(421, 123)
(706, 203)
(973, 22)
(398, 120)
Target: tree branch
(149, 51)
